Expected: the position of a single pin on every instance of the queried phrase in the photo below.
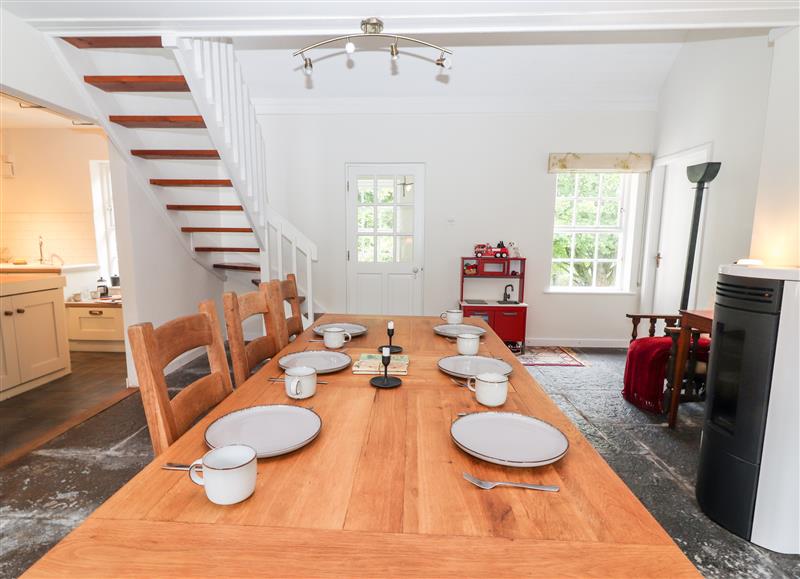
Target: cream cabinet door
(41, 333)
(9, 364)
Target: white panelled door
(385, 238)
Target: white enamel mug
(467, 344)
(491, 389)
(301, 382)
(335, 337)
(453, 316)
(229, 473)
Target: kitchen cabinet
(34, 334)
(507, 321)
(95, 327)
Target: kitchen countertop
(493, 304)
(7, 268)
(20, 283)
(94, 304)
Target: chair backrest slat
(154, 348)
(281, 292)
(238, 308)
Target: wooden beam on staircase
(151, 83)
(159, 121)
(237, 266)
(230, 249)
(191, 182)
(175, 153)
(217, 229)
(114, 41)
(185, 207)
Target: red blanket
(646, 371)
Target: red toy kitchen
(479, 276)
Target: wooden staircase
(202, 206)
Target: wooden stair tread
(191, 182)
(185, 207)
(231, 249)
(159, 121)
(114, 41)
(237, 266)
(152, 83)
(175, 153)
(217, 229)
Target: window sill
(589, 292)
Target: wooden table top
(379, 493)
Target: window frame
(629, 185)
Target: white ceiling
(287, 18)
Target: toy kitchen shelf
(507, 319)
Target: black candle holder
(392, 349)
(386, 381)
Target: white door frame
(419, 230)
(655, 206)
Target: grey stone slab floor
(49, 492)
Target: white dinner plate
(323, 361)
(466, 366)
(271, 430)
(453, 330)
(509, 439)
(352, 329)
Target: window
(591, 232)
(105, 228)
(385, 218)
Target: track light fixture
(373, 27)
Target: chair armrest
(670, 321)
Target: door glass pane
(405, 189)
(366, 248)
(366, 219)
(385, 218)
(607, 245)
(366, 189)
(606, 274)
(584, 246)
(405, 249)
(586, 212)
(405, 219)
(385, 248)
(582, 273)
(385, 189)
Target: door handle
(8, 312)
(95, 312)
(20, 310)
(510, 313)
(659, 257)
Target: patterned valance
(600, 162)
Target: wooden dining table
(379, 493)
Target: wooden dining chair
(238, 308)
(281, 292)
(154, 348)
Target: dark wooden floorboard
(39, 415)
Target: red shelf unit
(507, 320)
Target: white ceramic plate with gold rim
(466, 366)
(323, 361)
(272, 430)
(509, 439)
(453, 330)
(354, 330)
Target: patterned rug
(549, 356)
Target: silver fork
(486, 485)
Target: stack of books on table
(372, 364)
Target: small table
(697, 320)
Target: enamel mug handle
(193, 468)
(443, 315)
(470, 381)
(347, 337)
(294, 385)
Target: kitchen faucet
(41, 252)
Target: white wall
(717, 92)
(28, 68)
(777, 218)
(161, 281)
(486, 178)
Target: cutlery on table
(486, 485)
(284, 380)
(457, 383)
(175, 466)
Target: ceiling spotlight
(308, 67)
(444, 62)
(349, 48)
(393, 50)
